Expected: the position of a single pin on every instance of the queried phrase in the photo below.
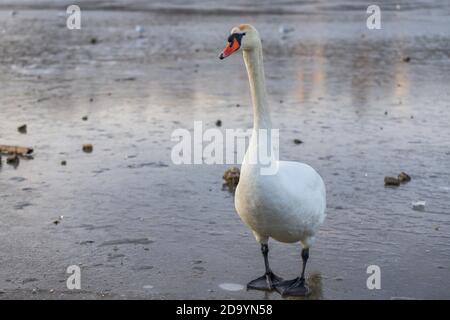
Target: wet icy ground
(141, 227)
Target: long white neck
(260, 146)
(255, 69)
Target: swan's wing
(305, 185)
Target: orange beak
(230, 49)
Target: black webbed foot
(293, 288)
(267, 282)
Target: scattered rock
(391, 181)
(219, 123)
(58, 220)
(91, 99)
(84, 118)
(406, 59)
(404, 177)
(21, 151)
(22, 128)
(93, 40)
(88, 147)
(238, 105)
(385, 113)
(63, 163)
(13, 159)
(231, 177)
(298, 141)
(418, 205)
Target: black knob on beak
(221, 57)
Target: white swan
(288, 206)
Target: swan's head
(244, 37)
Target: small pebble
(22, 128)
(63, 163)
(231, 176)
(93, 40)
(298, 141)
(219, 123)
(406, 59)
(391, 181)
(404, 177)
(84, 118)
(13, 159)
(88, 148)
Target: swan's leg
(296, 287)
(269, 280)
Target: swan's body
(288, 206)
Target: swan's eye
(236, 36)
